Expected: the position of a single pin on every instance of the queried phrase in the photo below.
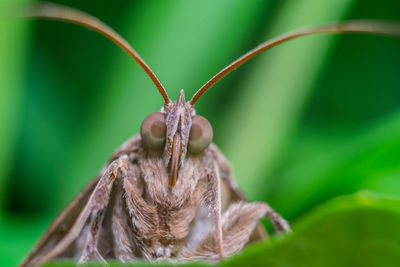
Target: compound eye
(201, 135)
(153, 131)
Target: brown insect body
(167, 193)
(135, 212)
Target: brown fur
(148, 219)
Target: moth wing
(231, 192)
(65, 220)
(62, 224)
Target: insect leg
(238, 222)
(90, 250)
(212, 200)
(143, 216)
(91, 237)
(94, 210)
(279, 223)
(233, 193)
(124, 245)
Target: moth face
(178, 132)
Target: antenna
(352, 26)
(63, 13)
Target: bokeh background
(306, 121)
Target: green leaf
(119, 264)
(355, 230)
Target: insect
(168, 192)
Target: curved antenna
(63, 13)
(353, 26)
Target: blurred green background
(306, 121)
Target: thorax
(174, 208)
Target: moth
(168, 192)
